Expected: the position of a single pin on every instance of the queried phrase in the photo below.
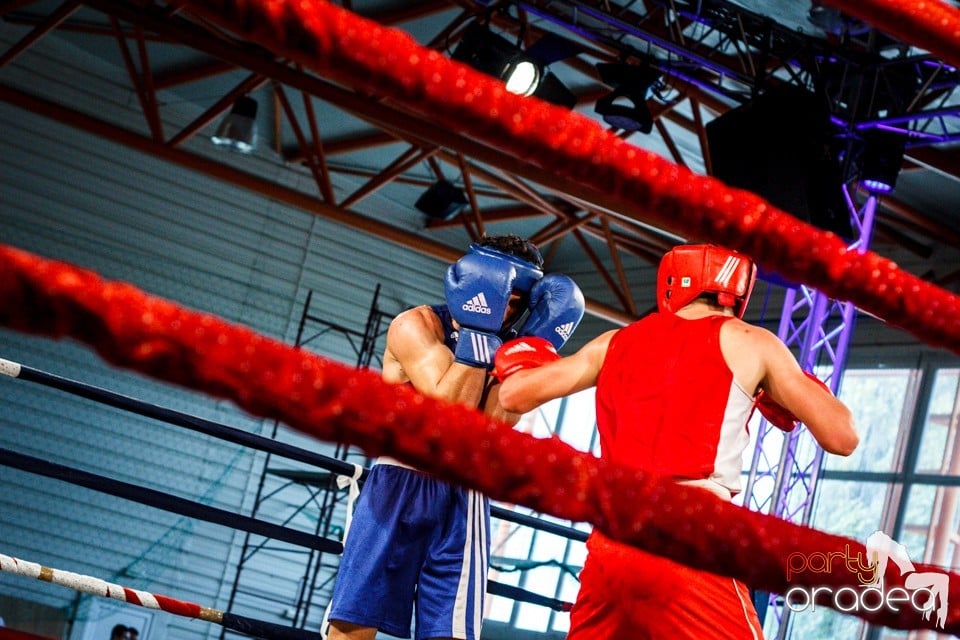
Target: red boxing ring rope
(337, 403)
(97, 587)
(148, 600)
(334, 402)
(932, 25)
(388, 63)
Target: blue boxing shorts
(414, 538)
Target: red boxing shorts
(628, 593)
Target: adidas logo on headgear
(477, 304)
(565, 330)
(727, 270)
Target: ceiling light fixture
(881, 160)
(238, 130)
(496, 56)
(441, 201)
(625, 107)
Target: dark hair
(118, 630)
(515, 246)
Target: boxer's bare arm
(416, 353)
(760, 360)
(829, 420)
(494, 409)
(528, 389)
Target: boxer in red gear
(674, 391)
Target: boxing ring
(332, 402)
(165, 501)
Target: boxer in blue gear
(418, 544)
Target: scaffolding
(303, 493)
(786, 467)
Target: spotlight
(552, 90)
(548, 49)
(239, 129)
(881, 160)
(494, 55)
(626, 106)
(522, 78)
(441, 201)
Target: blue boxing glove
(478, 288)
(556, 308)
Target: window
(543, 563)
(901, 480)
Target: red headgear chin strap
(691, 270)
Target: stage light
(496, 56)
(625, 107)
(239, 129)
(881, 160)
(522, 78)
(552, 90)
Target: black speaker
(779, 146)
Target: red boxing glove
(528, 352)
(778, 415)
(775, 414)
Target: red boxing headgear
(691, 270)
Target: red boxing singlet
(667, 401)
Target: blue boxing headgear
(528, 274)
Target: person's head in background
(132, 634)
(119, 632)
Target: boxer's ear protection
(688, 271)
